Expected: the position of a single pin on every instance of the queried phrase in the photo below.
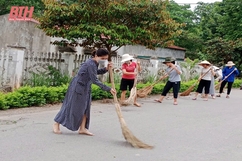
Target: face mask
(102, 61)
(127, 62)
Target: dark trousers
(223, 85)
(203, 84)
(169, 85)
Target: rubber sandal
(218, 96)
(157, 100)
(175, 103)
(194, 99)
(227, 96)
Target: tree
(208, 18)
(231, 20)
(220, 51)
(109, 23)
(190, 36)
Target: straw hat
(204, 62)
(126, 57)
(229, 64)
(169, 59)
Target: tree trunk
(109, 48)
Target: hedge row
(38, 96)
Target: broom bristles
(129, 137)
(217, 85)
(144, 93)
(188, 91)
(131, 98)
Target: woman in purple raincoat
(75, 111)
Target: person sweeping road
(205, 78)
(218, 75)
(174, 72)
(75, 111)
(229, 74)
(128, 78)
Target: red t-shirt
(129, 68)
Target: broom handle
(113, 85)
(136, 77)
(135, 80)
(225, 77)
(203, 76)
(162, 77)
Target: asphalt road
(191, 131)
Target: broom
(147, 90)
(129, 137)
(216, 86)
(133, 94)
(188, 91)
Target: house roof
(176, 48)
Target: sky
(193, 2)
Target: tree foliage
(190, 36)
(231, 20)
(221, 51)
(109, 23)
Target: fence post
(17, 54)
(69, 62)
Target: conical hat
(204, 62)
(229, 64)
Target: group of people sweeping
(206, 81)
(75, 111)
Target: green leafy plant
(50, 77)
(37, 96)
(189, 70)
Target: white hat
(126, 57)
(216, 68)
(230, 63)
(204, 62)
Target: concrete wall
(24, 34)
(157, 53)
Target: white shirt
(207, 76)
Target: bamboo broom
(188, 91)
(147, 90)
(133, 94)
(216, 86)
(129, 137)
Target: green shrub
(15, 99)
(37, 96)
(237, 83)
(3, 102)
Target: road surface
(190, 131)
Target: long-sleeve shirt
(227, 71)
